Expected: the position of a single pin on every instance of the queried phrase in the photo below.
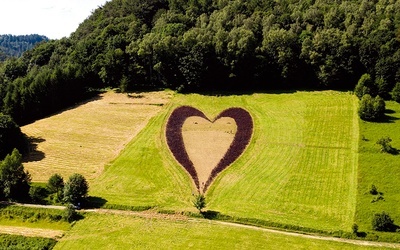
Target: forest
(208, 45)
(15, 46)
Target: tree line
(208, 45)
(15, 46)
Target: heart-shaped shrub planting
(176, 143)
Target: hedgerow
(21, 242)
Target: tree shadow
(94, 202)
(33, 153)
(210, 214)
(394, 151)
(361, 234)
(386, 118)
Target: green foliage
(55, 183)
(384, 142)
(75, 189)
(208, 45)
(37, 194)
(10, 136)
(14, 46)
(14, 181)
(106, 231)
(371, 108)
(396, 92)
(354, 228)
(373, 190)
(382, 222)
(380, 169)
(365, 86)
(28, 214)
(14, 242)
(70, 214)
(199, 202)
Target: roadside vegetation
(129, 232)
(12, 242)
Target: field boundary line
(310, 236)
(149, 214)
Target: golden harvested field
(206, 143)
(85, 138)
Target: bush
(384, 142)
(14, 181)
(70, 213)
(365, 86)
(382, 222)
(37, 193)
(22, 242)
(10, 136)
(371, 108)
(373, 190)
(396, 92)
(199, 202)
(55, 183)
(354, 228)
(76, 189)
(383, 87)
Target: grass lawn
(380, 169)
(128, 232)
(299, 169)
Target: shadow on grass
(94, 202)
(34, 154)
(361, 234)
(210, 214)
(388, 118)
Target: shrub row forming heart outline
(244, 123)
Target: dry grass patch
(206, 143)
(31, 232)
(85, 138)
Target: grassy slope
(145, 173)
(299, 169)
(84, 139)
(380, 169)
(127, 232)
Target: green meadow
(309, 167)
(299, 169)
(379, 169)
(128, 232)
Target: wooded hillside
(14, 46)
(208, 45)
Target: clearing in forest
(300, 167)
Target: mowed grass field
(300, 167)
(379, 169)
(84, 139)
(128, 232)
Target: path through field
(149, 214)
(85, 138)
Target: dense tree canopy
(10, 136)
(209, 45)
(14, 181)
(14, 46)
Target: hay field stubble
(85, 138)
